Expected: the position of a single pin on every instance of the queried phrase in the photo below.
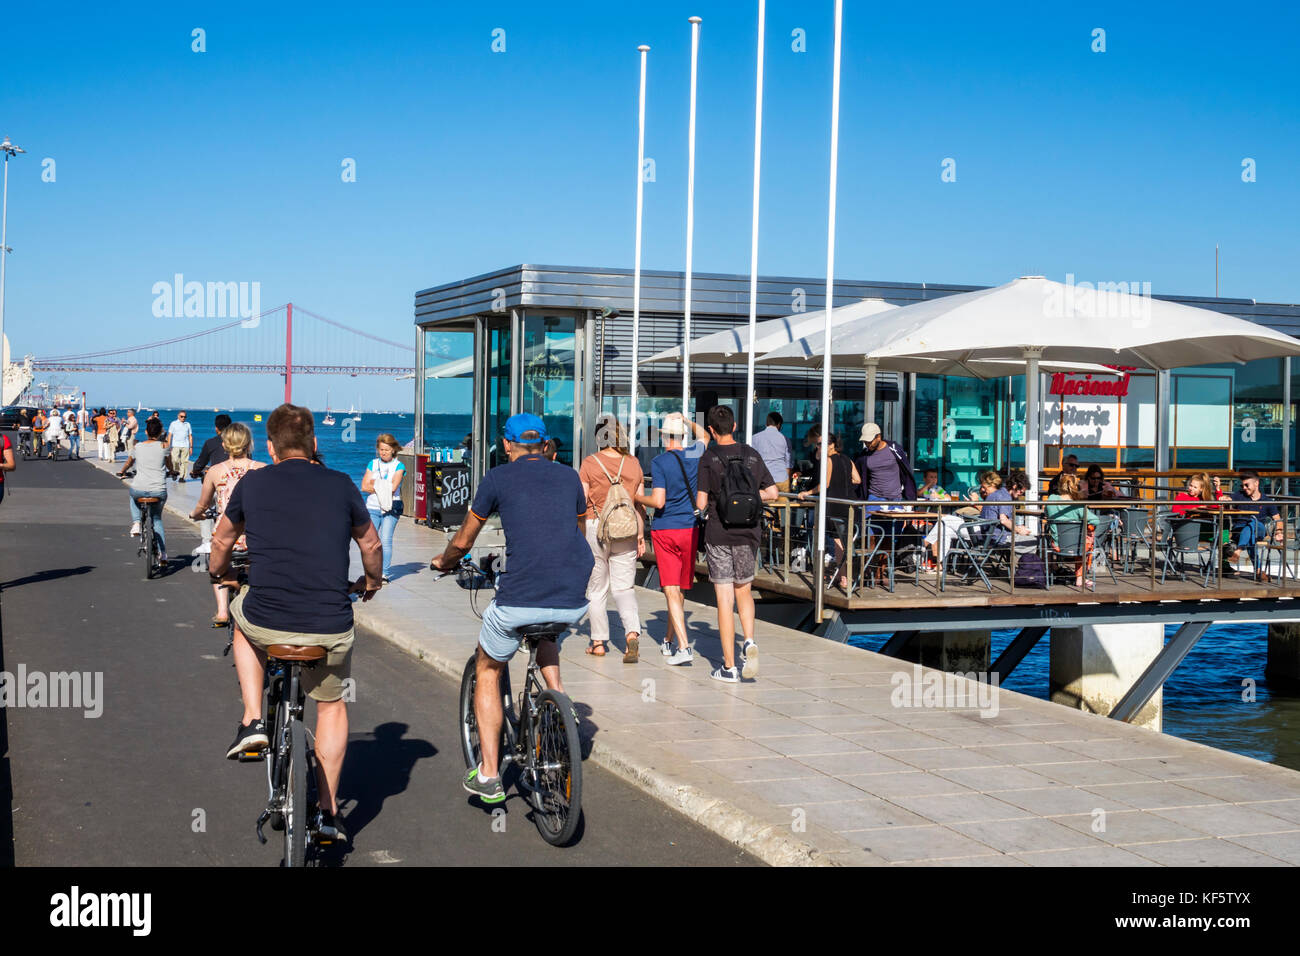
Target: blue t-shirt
(299, 519)
(679, 498)
(548, 560)
(1000, 534)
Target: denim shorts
(498, 636)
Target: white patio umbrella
(1033, 319)
(731, 345)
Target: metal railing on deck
(1136, 543)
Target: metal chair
(1135, 531)
(1066, 540)
(973, 549)
(1182, 539)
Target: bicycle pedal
(252, 756)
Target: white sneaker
(749, 660)
(728, 675)
(135, 529)
(666, 648)
(683, 656)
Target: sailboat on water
(328, 419)
(354, 413)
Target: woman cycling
(219, 481)
(150, 481)
(382, 485)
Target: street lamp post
(9, 149)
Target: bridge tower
(288, 354)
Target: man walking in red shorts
(674, 480)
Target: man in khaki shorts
(300, 519)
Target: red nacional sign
(1067, 383)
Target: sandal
(633, 652)
(596, 648)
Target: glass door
(550, 376)
(496, 393)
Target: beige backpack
(617, 521)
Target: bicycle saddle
(148, 501)
(296, 652)
(542, 632)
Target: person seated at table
(1264, 522)
(1198, 495)
(1069, 466)
(930, 489)
(1097, 488)
(840, 482)
(1069, 490)
(993, 495)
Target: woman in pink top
(218, 483)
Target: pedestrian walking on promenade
(112, 433)
(180, 440)
(219, 483)
(734, 483)
(72, 429)
(674, 481)
(6, 461)
(100, 423)
(129, 432)
(39, 424)
(612, 479)
(382, 484)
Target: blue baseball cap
(517, 426)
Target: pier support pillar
(1093, 666)
(1284, 654)
(956, 652)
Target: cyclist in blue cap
(548, 562)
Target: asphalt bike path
(146, 781)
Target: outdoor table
(895, 519)
(785, 507)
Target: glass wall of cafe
(478, 372)
(1221, 417)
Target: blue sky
(225, 165)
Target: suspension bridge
(287, 340)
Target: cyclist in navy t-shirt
(548, 562)
(301, 519)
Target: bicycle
(149, 546)
(25, 447)
(290, 761)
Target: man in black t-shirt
(731, 552)
(300, 519)
(213, 452)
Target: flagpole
(636, 258)
(690, 222)
(753, 243)
(819, 571)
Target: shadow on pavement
(51, 575)
(378, 765)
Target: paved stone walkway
(813, 763)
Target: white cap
(870, 431)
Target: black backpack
(739, 505)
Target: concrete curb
(767, 842)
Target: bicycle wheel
(295, 798)
(469, 747)
(557, 757)
(146, 542)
